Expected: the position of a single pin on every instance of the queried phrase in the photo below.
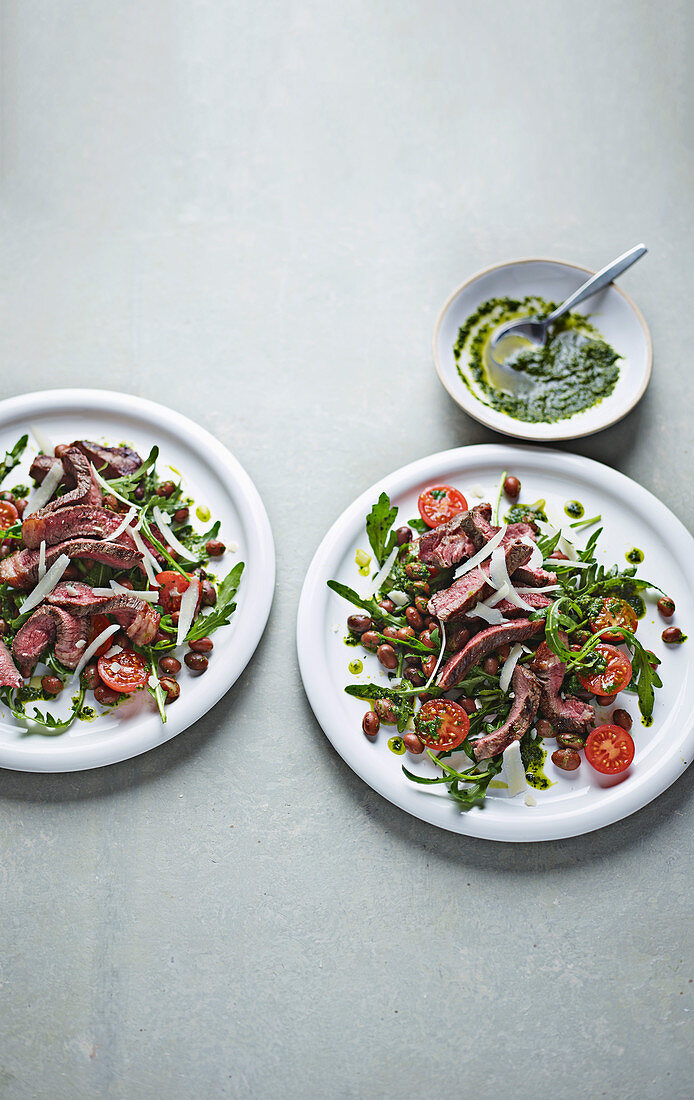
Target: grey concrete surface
(252, 212)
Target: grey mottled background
(252, 213)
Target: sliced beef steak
(9, 676)
(568, 714)
(474, 586)
(21, 569)
(534, 578)
(448, 543)
(74, 521)
(109, 461)
(139, 620)
(483, 644)
(86, 491)
(536, 600)
(477, 525)
(50, 624)
(42, 464)
(526, 699)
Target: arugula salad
(108, 569)
(502, 639)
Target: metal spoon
(534, 329)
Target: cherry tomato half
(125, 671)
(613, 613)
(609, 749)
(613, 678)
(442, 724)
(439, 503)
(8, 514)
(99, 623)
(172, 587)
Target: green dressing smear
(574, 370)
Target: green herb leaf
(13, 458)
(378, 528)
(222, 611)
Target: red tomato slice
(442, 724)
(8, 514)
(614, 678)
(125, 671)
(610, 749)
(173, 585)
(439, 503)
(99, 623)
(614, 612)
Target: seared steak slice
(534, 578)
(46, 625)
(482, 644)
(568, 714)
(109, 461)
(476, 524)
(86, 491)
(42, 464)
(9, 676)
(526, 700)
(474, 586)
(21, 569)
(536, 600)
(139, 620)
(447, 544)
(75, 521)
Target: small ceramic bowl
(618, 319)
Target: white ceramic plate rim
(258, 582)
(624, 799)
(545, 432)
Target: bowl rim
(530, 434)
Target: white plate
(576, 803)
(614, 314)
(213, 477)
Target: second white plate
(576, 802)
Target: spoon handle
(599, 280)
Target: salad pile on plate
(102, 577)
(498, 634)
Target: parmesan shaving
(400, 599)
(147, 556)
(498, 596)
(547, 588)
(535, 559)
(121, 526)
(513, 769)
(46, 489)
(45, 586)
(508, 667)
(164, 521)
(45, 445)
(481, 555)
(189, 601)
(499, 574)
(92, 648)
(108, 488)
(383, 572)
(42, 559)
(490, 614)
(121, 590)
(430, 681)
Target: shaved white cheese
(535, 559)
(113, 651)
(490, 614)
(148, 557)
(153, 681)
(108, 489)
(45, 490)
(513, 769)
(478, 492)
(481, 555)
(233, 546)
(121, 590)
(164, 521)
(45, 445)
(529, 800)
(383, 572)
(499, 575)
(121, 526)
(70, 589)
(547, 588)
(557, 563)
(498, 596)
(80, 643)
(186, 614)
(431, 679)
(45, 586)
(508, 667)
(42, 559)
(92, 648)
(106, 592)
(400, 599)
